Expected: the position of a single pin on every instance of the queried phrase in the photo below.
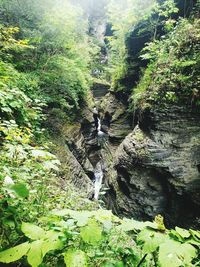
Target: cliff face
(149, 170)
(157, 168)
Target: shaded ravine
(153, 169)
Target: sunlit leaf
(75, 258)
(34, 255)
(32, 231)
(130, 225)
(15, 253)
(51, 242)
(92, 233)
(182, 232)
(20, 190)
(175, 254)
(151, 240)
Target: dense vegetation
(99, 238)
(171, 54)
(46, 60)
(56, 53)
(173, 71)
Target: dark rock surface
(157, 168)
(153, 169)
(69, 146)
(115, 119)
(100, 90)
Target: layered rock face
(69, 146)
(149, 170)
(157, 168)
(115, 119)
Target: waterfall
(99, 125)
(98, 172)
(98, 175)
(100, 134)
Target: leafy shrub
(172, 75)
(146, 18)
(99, 238)
(64, 82)
(14, 102)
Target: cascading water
(99, 125)
(98, 174)
(100, 134)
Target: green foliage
(91, 233)
(175, 254)
(15, 253)
(92, 244)
(123, 16)
(59, 53)
(75, 258)
(32, 231)
(173, 71)
(8, 42)
(126, 16)
(15, 104)
(19, 189)
(151, 240)
(45, 63)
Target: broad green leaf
(132, 225)
(182, 232)
(34, 255)
(81, 217)
(75, 258)
(32, 231)
(20, 190)
(119, 264)
(193, 242)
(61, 213)
(195, 234)
(104, 215)
(15, 253)
(151, 240)
(175, 254)
(91, 233)
(175, 235)
(188, 252)
(51, 242)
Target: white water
(99, 125)
(98, 174)
(100, 134)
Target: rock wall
(69, 146)
(149, 170)
(156, 168)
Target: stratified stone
(157, 168)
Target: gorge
(100, 133)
